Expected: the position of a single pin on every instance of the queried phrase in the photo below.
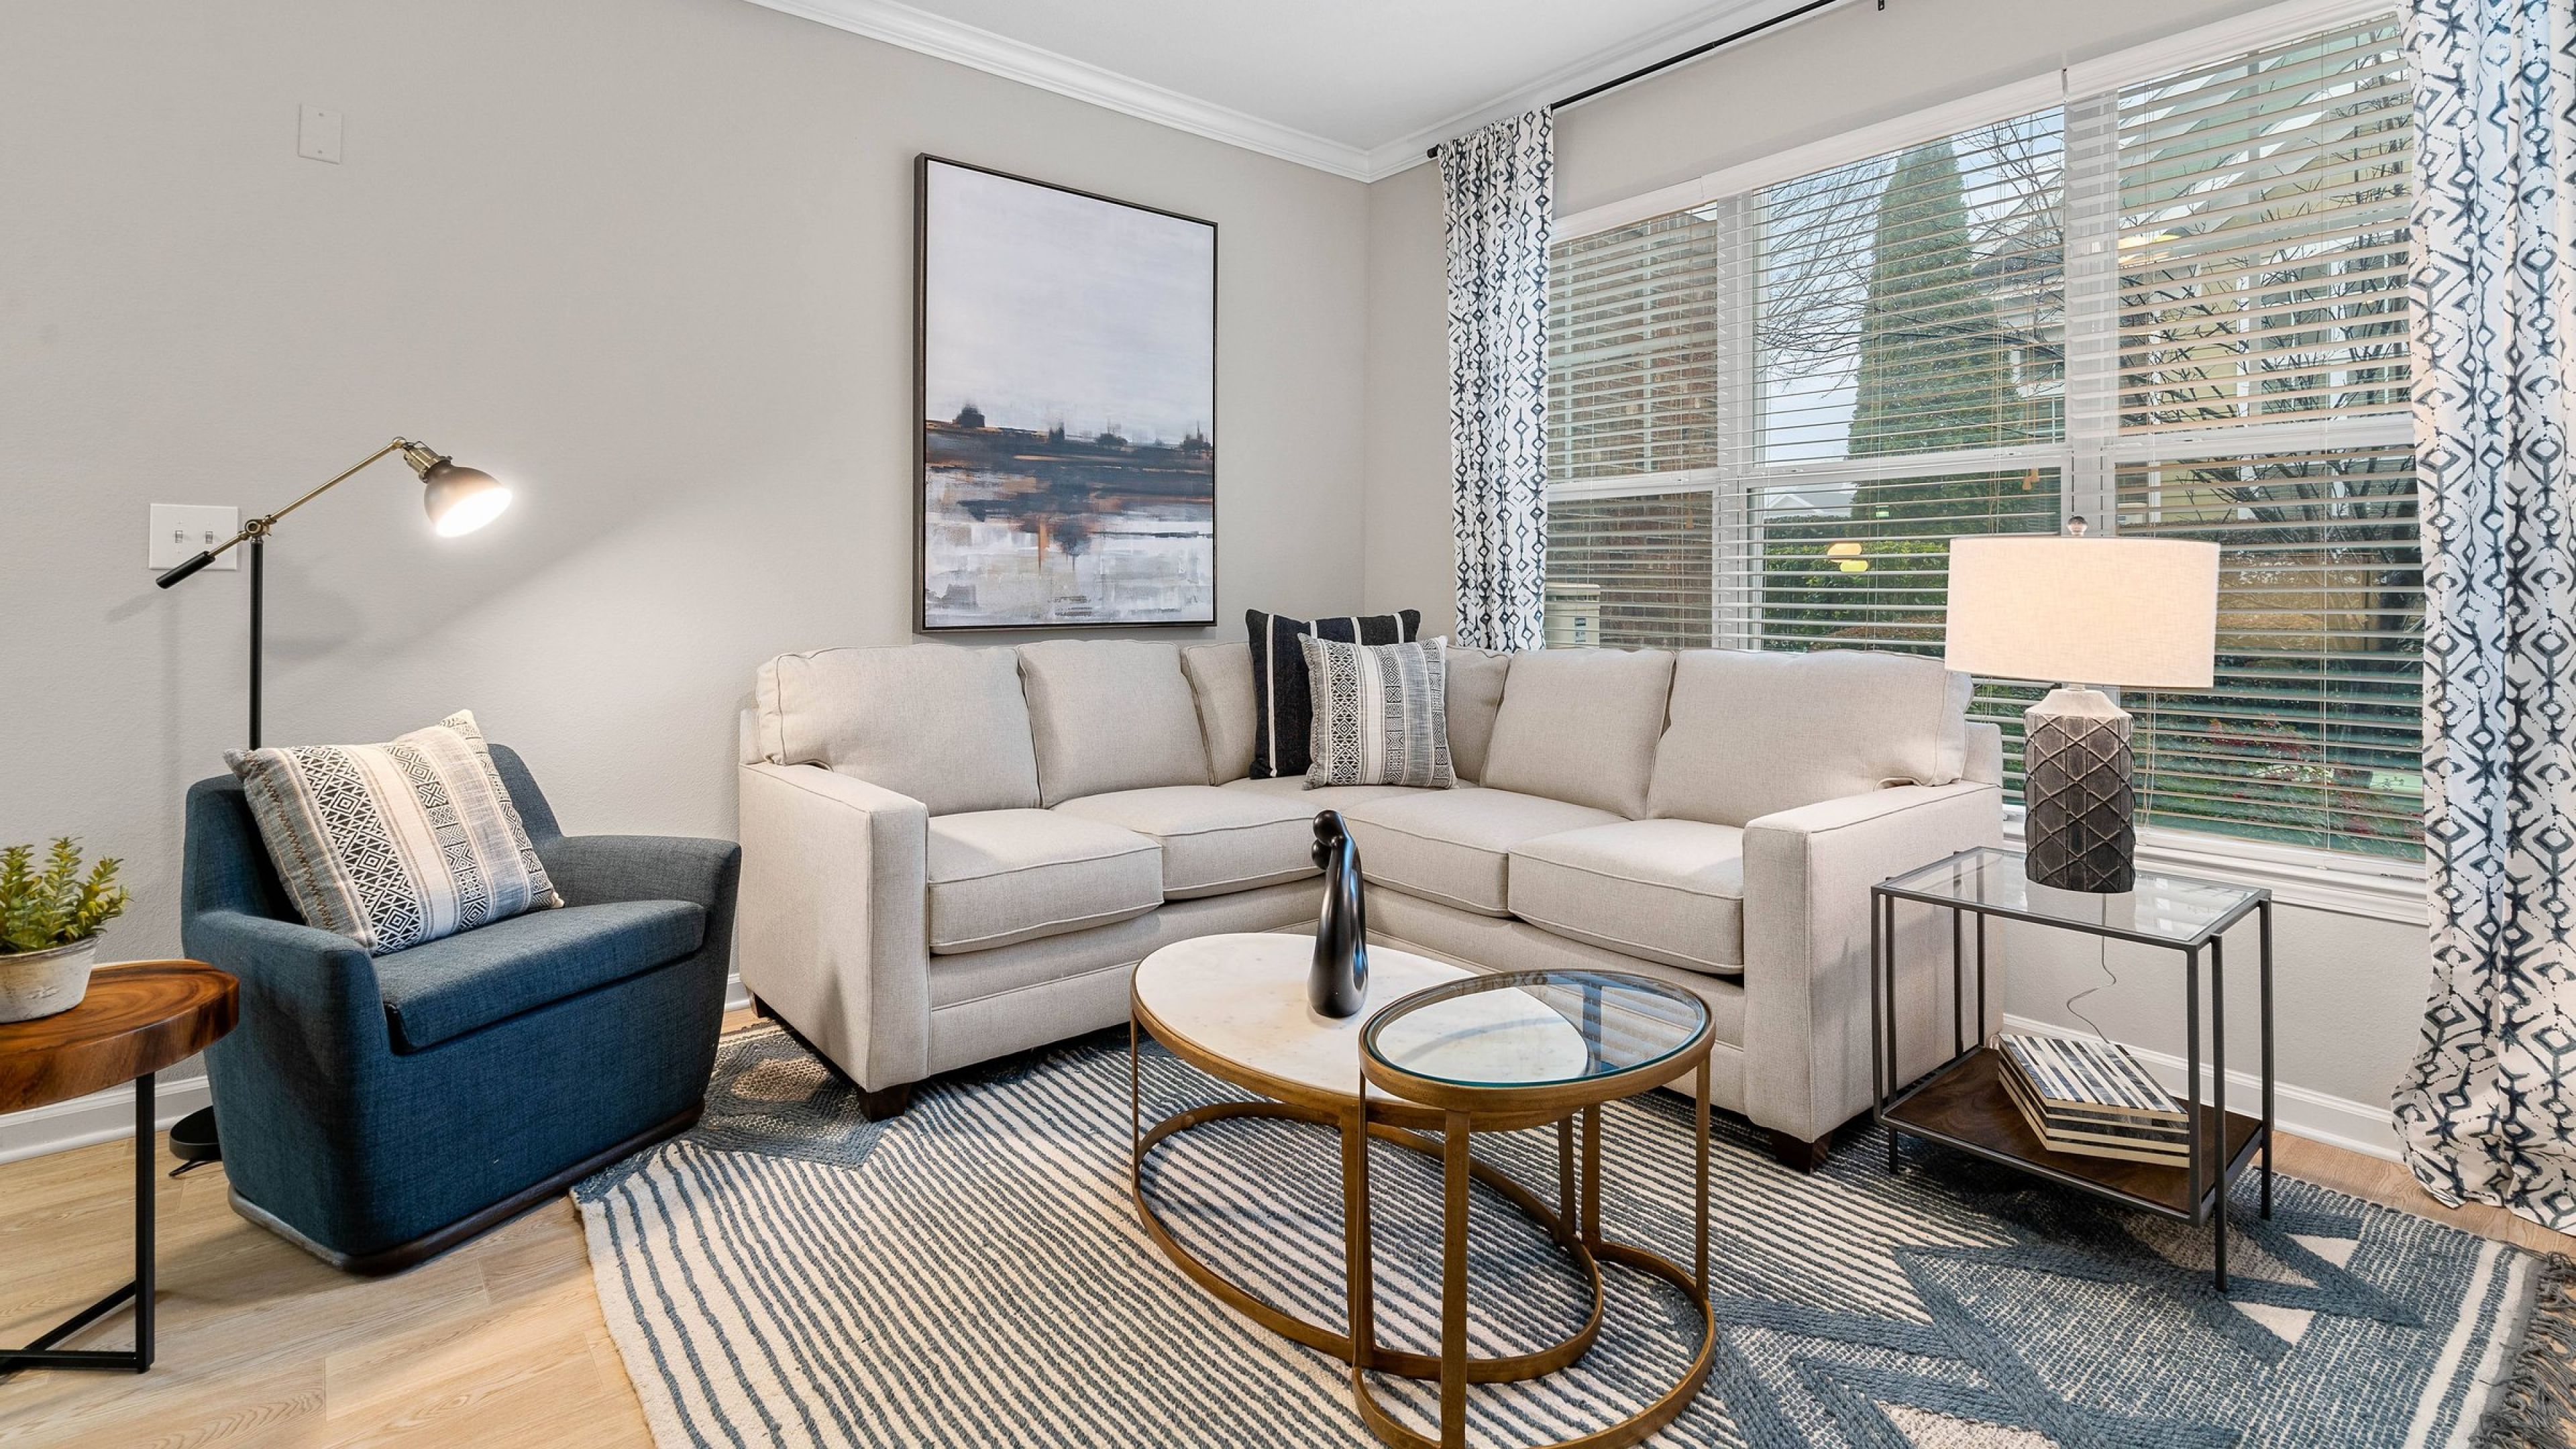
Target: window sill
(2317, 880)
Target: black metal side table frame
(1956, 1105)
(41, 1353)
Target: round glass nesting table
(1438, 1054)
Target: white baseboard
(2335, 1121)
(737, 995)
(99, 1117)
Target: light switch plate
(181, 531)
(317, 135)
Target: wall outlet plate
(317, 134)
(181, 531)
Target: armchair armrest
(298, 982)
(835, 937)
(593, 869)
(1807, 874)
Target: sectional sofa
(953, 853)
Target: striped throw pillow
(395, 844)
(1283, 703)
(1381, 714)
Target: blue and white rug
(972, 1273)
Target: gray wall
(2351, 990)
(651, 259)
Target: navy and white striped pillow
(1283, 702)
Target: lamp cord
(2102, 944)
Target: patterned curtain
(2489, 1110)
(1502, 210)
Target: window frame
(2091, 453)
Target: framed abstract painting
(1065, 382)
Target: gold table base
(1574, 1225)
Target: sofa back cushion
(1755, 732)
(1580, 725)
(1110, 714)
(1221, 682)
(941, 723)
(1475, 692)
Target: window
(2175, 308)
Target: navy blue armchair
(381, 1110)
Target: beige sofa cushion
(1221, 682)
(1454, 846)
(1214, 841)
(1110, 714)
(1667, 890)
(1581, 725)
(1475, 694)
(1322, 797)
(942, 724)
(1000, 876)
(1758, 732)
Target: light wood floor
(497, 1344)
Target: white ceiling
(1357, 87)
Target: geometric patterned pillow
(395, 844)
(1381, 714)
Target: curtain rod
(1694, 53)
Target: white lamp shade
(2139, 612)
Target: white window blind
(2177, 309)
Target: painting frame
(922, 429)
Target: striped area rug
(972, 1274)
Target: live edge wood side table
(139, 1018)
(1963, 1102)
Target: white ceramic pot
(41, 983)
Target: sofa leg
(760, 1009)
(891, 1102)
(1798, 1153)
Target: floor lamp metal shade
(2140, 613)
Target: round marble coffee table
(1492, 1054)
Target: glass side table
(1522, 1049)
(1963, 1103)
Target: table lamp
(459, 500)
(2134, 612)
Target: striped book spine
(2093, 1140)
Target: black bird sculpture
(1338, 985)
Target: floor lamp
(459, 500)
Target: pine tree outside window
(2174, 308)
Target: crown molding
(968, 45)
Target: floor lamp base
(193, 1141)
(2079, 831)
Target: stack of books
(2086, 1096)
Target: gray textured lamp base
(2075, 765)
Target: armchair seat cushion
(1454, 846)
(463, 983)
(1666, 890)
(998, 877)
(1215, 842)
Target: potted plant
(49, 925)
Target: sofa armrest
(835, 937)
(1807, 874)
(590, 870)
